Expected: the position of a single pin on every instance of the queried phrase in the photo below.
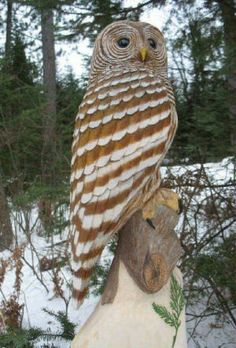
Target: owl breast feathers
(124, 127)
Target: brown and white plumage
(123, 130)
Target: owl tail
(82, 273)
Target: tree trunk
(49, 113)
(49, 83)
(8, 29)
(228, 9)
(6, 233)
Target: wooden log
(149, 255)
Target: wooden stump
(139, 275)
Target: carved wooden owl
(124, 127)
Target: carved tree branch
(149, 255)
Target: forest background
(38, 105)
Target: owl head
(129, 44)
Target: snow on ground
(37, 291)
(220, 172)
(208, 332)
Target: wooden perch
(139, 276)
(149, 255)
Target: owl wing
(123, 129)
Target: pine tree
(20, 103)
(200, 86)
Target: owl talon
(180, 204)
(150, 223)
(164, 197)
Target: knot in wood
(155, 272)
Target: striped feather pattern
(123, 129)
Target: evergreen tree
(69, 95)
(19, 113)
(200, 86)
(227, 10)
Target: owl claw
(180, 204)
(164, 197)
(150, 223)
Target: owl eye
(152, 43)
(123, 42)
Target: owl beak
(143, 53)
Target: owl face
(127, 43)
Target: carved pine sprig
(176, 304)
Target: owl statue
(124, 127)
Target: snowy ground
(37, 292)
